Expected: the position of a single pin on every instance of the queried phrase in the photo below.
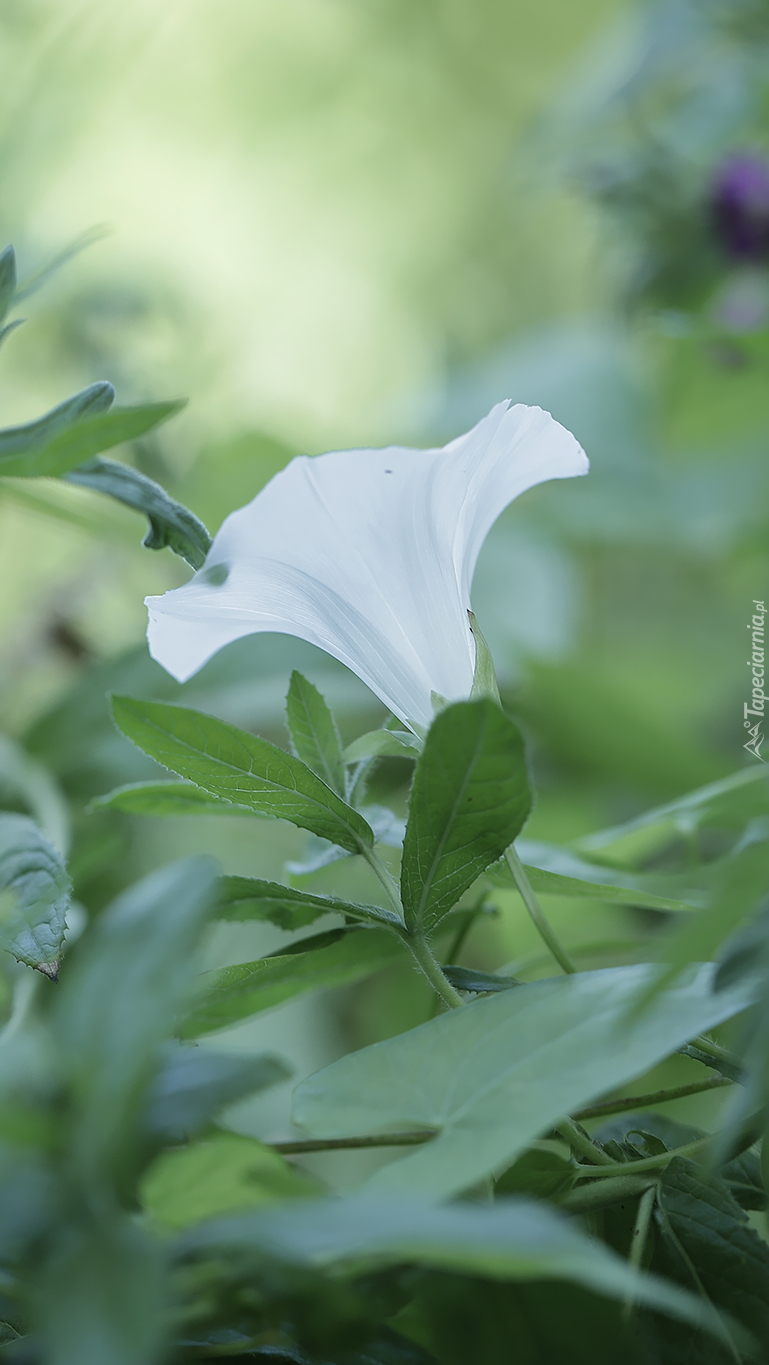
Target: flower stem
(423, 956)
(629, 1102)
(534, 908)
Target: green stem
(714, 1050)
(630, 1102)
(599, 1193)
(648, 1163)
(580, 1142)
(534, 908)
(351, 1143)
(423, 956)
(386, 879)
(638, 1242)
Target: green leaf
(555, 871)
(240, 767)
(7, 280)
(32, 436)
(236, 993)
(33, 910)
(705, 1241)
(481, 983)
(224, 1174)
(194, 1084)
(502, 1070)
(27, 783)
(247, 898)
(170, 524)
(512, 1239)
(133, 974)
(469, 800)
(165, 798)
(384, 744)
(544, 1174)
(58, 442)
(313, 732)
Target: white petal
(370, 555)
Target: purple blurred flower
(740, 206)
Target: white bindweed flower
(370, 555)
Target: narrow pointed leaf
(166, 798)
(242, 768)
(384, 744)
(246, 898)
(52, 446)
(469, 801)
(313, 732)
(7, 280)
(170, 524)
(237, 993)
(32, 436)
(555, 871)
(36, 895)
(501, 1071)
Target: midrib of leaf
(428, 883)
(329, 778)
(231, 767)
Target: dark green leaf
(542, 1174)
(467, 979)
(36, 891)
(246, 898)
(170, 524)
(7, 280)
(132, 976)
(14, 441)
(240, 767)
(236, 993)
(57, 443)
(313, 732)
(469, 801)
(166, 798)
(194, 1084)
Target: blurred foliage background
(332, 224)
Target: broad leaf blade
(33, 910)
(497, 1073)
(242, 768)
(247, 898)
(469, 801)
(313, 732)
(194, 1084)
(33, 457)
(237, 993)
(171, 524)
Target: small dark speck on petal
(388, 471)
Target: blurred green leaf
(131, 979)
(236, 993)
(555, 871)
(240, 767)
(469, 800)
(384, 744)
(314, 734)
(194, 1084)
(170, 524)
(541, 1174)
(37, 890)
(223, 1174)
(497, 1073)
(166, 798)
(511, 1239)
(70, 435)
(27, 783)
(247, 898)
(7, 280)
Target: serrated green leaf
(7, 280)
(247, 898)
(166, 798)
(512, 1239)
(57, 442)
(502, 1070)
(221, 1175)
(170, 524)
(384, 744)
(33, 910)
(236, 993)
(469, 801)
(313, 732)
(242, 768)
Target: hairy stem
(386, 880)
(543, 926)
(629, 1102)
(428, 963)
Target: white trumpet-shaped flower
(370, 555)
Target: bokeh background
(345, 222)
